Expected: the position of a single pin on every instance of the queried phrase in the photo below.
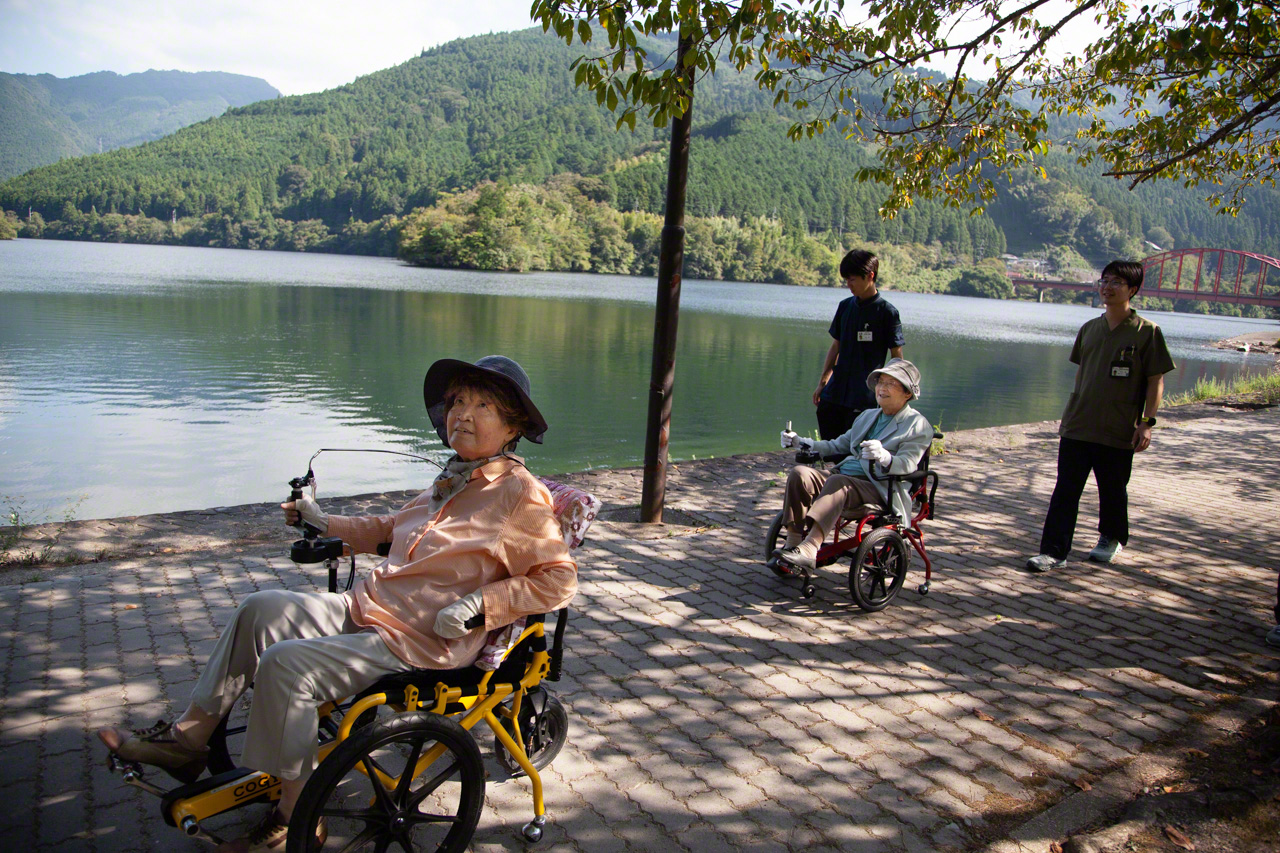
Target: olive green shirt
(1111, 382)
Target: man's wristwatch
(1147, 421)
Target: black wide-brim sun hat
(499, 367)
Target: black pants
(1111, 468)
(834, 420)
(1278, 599)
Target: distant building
(1024, 267)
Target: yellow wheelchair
(398, 765)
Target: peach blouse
(498, 534)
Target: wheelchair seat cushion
(853, 513)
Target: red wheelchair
(872, 537)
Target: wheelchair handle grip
(476, 621)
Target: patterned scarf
(453, 478)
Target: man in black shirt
(865, 330)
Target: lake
(139, 379)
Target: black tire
(878, 569)
(773, 539)
(436, 811)
(544, 726)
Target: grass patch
(12, 552)
(1258, 387)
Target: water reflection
(154, 379)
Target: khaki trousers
(299, 650)
(822, 496)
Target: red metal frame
(830, 552)
(1154, 267)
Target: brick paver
(712, 708)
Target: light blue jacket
(907, 438)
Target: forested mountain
(45, 118)
(482, 152)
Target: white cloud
(296, 46)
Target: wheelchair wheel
(773, 539)
(436, 810)
(544, 725)
(878, 569)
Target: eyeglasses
(1104, 283)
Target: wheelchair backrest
(575, 510)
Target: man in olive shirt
(865, 331)
(1122, 360)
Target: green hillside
(44, 118)
(482, 153)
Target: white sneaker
(1106, 550)
(1044, 562)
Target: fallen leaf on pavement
(1198, 753)
(1176, 836)
(986, 718)
(1083, 785)
(1055, 847)
(131, 607)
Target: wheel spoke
(360, 840)
(417, 817)
(429, 788)
(367, 815)
(379, 792)
(406, 777)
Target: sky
(298, 46)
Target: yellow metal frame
(485, 705)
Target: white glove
(788, 439)
(310, 511)
(451, 622)
(873, 450)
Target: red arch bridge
(1207, 275)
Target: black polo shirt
(866, 330)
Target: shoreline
(1261, 341)
(77, 546)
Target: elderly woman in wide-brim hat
(890, 439)
(482, 539)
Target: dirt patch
(675, 522)
(1224, 798)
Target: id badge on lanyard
(1122, 367)
(865, 335)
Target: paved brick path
(711, 708)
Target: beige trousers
(298, 650)
(822, 496)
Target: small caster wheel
(532, 830)
(923, 589)
(808, 591)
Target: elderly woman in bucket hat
(482, 539)
(891, 439)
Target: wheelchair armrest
(383, 549)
